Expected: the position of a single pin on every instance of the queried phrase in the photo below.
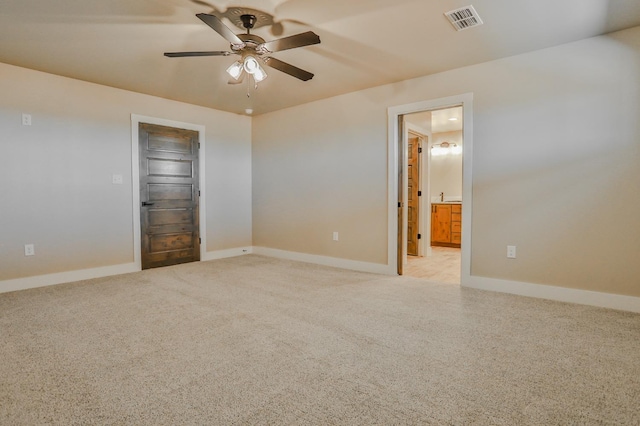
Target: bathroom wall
(446, 170)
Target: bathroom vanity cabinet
(446, 224)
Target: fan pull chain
(255, 85)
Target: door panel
(413, 171)
(440, 224)
(169, 192)
(169, 217)
(171, 141)
(168, 242)
(167, 167)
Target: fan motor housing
(251, 38)
(251, 42)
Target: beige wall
(317, 171)
(55, 175)
(556, 167)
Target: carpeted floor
(254, 340)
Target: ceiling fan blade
(202, 3)
(217, 25)
(298, 40)
(185, 54)
(288, 69)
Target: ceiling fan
(252, 48)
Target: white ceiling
(437, 121)
(365, 43)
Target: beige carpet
(254, 340)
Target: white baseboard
(104, 271)
(223, 254)
(66, 277)
(355, 265)
(560, 294)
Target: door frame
(135, 180)
(397, 165)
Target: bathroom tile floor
(443, 266)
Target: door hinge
(198, 145)
(399, 204)
(419, 193)
(198, 193)
(419, 236)
(420, 150)
(199, 240)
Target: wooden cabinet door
(440, 223)
(169, 193)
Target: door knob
(146, 203)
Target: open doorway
(396, 179)
(432, 146)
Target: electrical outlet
(29, 250)
(335, 236)
(26, 119)
(117, 179)
(511, 252)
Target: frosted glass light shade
(259, 74)
(235, 70)
(251, 64)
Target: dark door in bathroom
(169, 194)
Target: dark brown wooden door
(169, 195)
(413, 205)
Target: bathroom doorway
(432, 227)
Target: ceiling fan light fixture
(251, 64)
(235, 70)
(259, 74)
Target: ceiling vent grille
(463, 18)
